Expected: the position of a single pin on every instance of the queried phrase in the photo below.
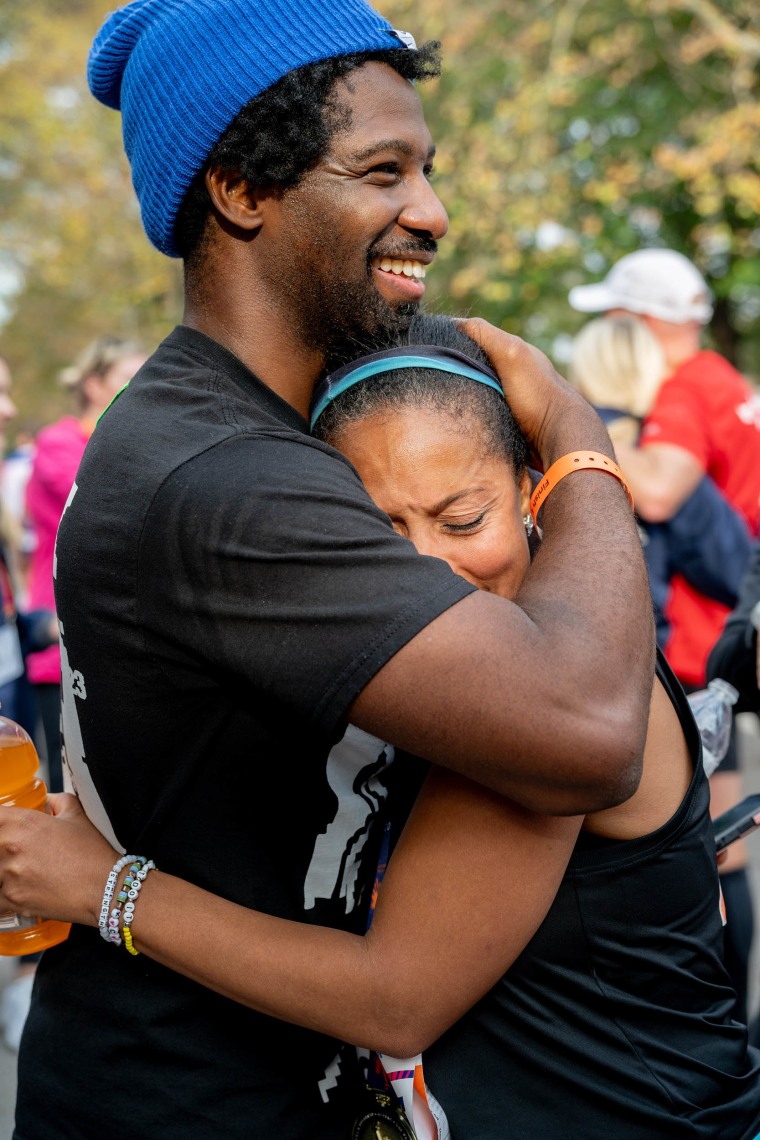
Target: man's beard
(352, 319)
(348, 317)
(371, 330)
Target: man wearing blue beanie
(230, 597)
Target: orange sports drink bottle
(21, 787)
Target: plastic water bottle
(21, 787)
(713, 711)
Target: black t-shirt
(226, 588)
(615, 1021)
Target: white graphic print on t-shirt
(76, 774)
(355, 770)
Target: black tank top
(615, 1021)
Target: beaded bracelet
(129, 906)
(575, 461)
(114, 934)
(108, 893)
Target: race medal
(383, 1119)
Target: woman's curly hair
(284, 131)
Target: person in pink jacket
(102, 369)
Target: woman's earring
(528, 524)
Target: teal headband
(390, 360)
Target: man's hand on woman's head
(552, 415)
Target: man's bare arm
(546, 699)
(661, 477)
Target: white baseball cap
(655, 282)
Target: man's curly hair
(286, 130)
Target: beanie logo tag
(406, 38)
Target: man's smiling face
(347, 249)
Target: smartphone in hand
(737, 822)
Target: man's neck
(266, 348)
(676, 356)
(226, 300)
(679, 342)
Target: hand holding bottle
(53, 865)
(21, 787)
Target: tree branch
(734, 41)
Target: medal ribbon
(404, 1076)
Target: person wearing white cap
(657, 283)
(705, 420)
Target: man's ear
(234, 199)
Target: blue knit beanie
(180, 71)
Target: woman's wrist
(121, 892)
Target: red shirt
(707, 408)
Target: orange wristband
(574, 461)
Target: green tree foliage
(70, 233)
(569, 132)
(574, 131)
